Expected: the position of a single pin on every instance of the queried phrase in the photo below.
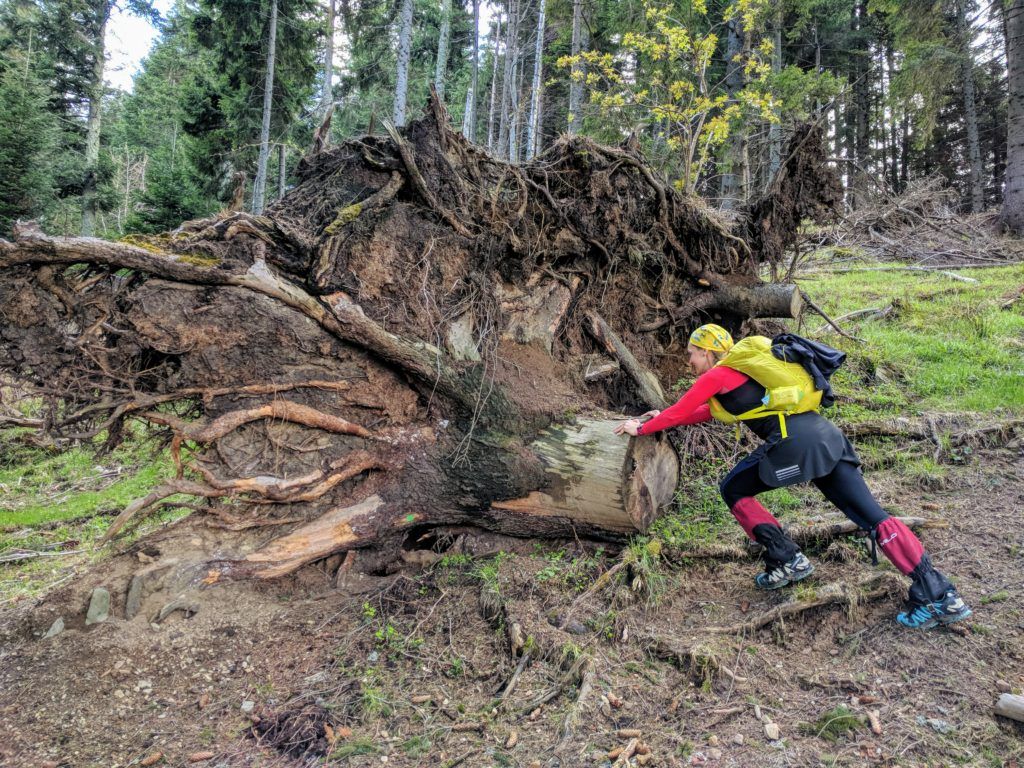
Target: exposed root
(700, 662)
(839, 593)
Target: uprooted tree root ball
(417, 336)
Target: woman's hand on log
(649, 415)
(629, 427)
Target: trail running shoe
(787, 573)
(949, 609)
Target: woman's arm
(692, 407)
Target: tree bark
(576, 71)
(495, 43)
(509, 95)
(441, 67)
(93, 122)
(404, 55)
(327, 92)
(964, 35)
(733, 189)
(1012, 213)
(259, 187)
(469, 114)
(534, 120)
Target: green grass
(72, 485)
(948, 346)
(61, 504)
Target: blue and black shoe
(951, 608)
(798, 568)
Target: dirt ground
(405, 670)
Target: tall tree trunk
(965, 34)
(495, 43)
(441, 68)
(904, 149)
(92, 134)
(576, 72)
(775, 130)
(404, 54)
(469, 115)
(327, 94)
(894, 142)
(259, 188)
(533, 126)
(515, 133)
(281, 171)
(733, 188)
(1013, 196)
(508, 80)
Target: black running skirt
(813, 448)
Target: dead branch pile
(923, 226)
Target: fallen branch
(850, 595)
(650, 389)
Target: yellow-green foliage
(674, 57)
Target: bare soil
(404, 670)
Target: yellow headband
(712, 337)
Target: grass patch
(834, 724)
(948, 346)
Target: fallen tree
(406, 341)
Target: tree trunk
(281, 170)
(349, 409)
(576, 71)
(259, 187)
(441, 68)
(495, 42)
(404, 54)
(775, 130)
(327, 92)
(509, 97)
(1012, 213)
(733, 188)
(965, 35)
(533, 122)
(93, 123)
(469, 114)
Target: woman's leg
(846, 489)
(738, 489)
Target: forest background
(907, 89)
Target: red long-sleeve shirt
(692, 407)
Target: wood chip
(153, 759)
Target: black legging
(844, 486)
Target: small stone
(99, 606)
(58, 626)
(771, 730)
(1002, 686)
(738, 739)
(712, 740)
(714, 753)
(248, 706)
(372, 657)
(757, 712)
(133, 602)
